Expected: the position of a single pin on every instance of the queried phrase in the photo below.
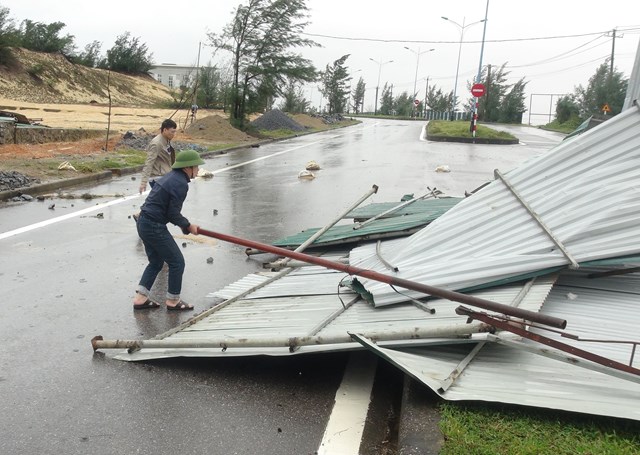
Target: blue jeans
(160, 248)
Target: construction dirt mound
(217, 130)
(275, 119)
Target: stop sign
(478, 89)
(416, 102)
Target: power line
(564, 54)
(509, 40)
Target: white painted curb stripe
(343, 433)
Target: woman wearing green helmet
(162, 206)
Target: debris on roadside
(22, 198)
(65, 165)
(304, 174)
(205, 174)
(86, 196)
(442, 168)
(10, 180)
(312, 166)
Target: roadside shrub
(36, 71)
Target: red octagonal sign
(478, 89)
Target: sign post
(477, 90)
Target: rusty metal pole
(407, 284)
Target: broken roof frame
(601, 311)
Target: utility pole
(426, 93)
(613, 35)
(194, 104)
(613, 50)
(486, 95)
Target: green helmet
(187, 158)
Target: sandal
(180, 306)
(146, 305)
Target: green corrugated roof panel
(620, 260)
(435, 207)
(378, 229)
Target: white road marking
(40, 224)
(423, 132)
(343, 434)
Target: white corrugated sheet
(285, 308)
(585, 191)
(602, 308)
(633, 88)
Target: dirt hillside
(51, 79)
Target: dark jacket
(164, 203)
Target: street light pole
(474, 119)
(375, 109)
(455, 84)
(415, 79)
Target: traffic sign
(416, 102)
(478, 89)
(606, 108)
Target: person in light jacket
(160, 154)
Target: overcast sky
(554, 45)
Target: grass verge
(446, 128)
(495, 430)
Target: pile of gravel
(10, 180)
(275, 119)
(141, 140)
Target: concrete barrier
(40, 135)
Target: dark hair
(168, 124)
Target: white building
(172, 75)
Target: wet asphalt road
(70, 280)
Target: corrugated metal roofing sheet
(434, 207)
(378, 229)
(633, 87)
(585, 191)
(602, 308)
(284, 309)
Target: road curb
(53, 186)
(419, 433)
(57, 185)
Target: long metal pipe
(504, 325)
(406, 284)
(451, 330)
